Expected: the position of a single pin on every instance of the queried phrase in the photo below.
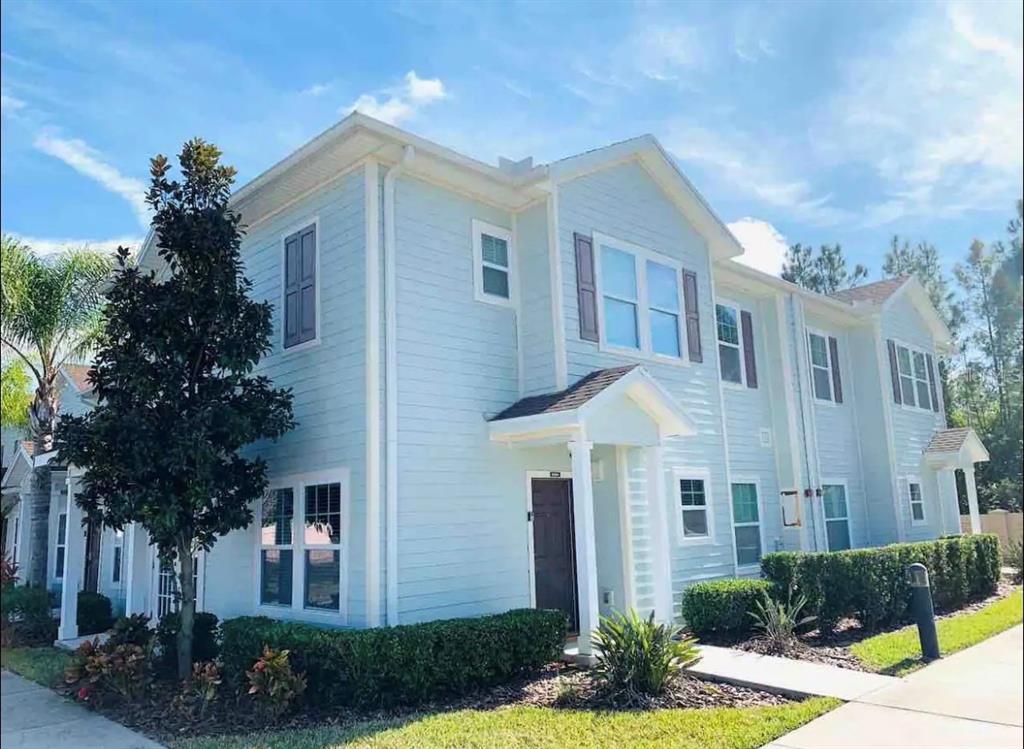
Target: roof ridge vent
(515, 168)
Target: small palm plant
(779, 621)
(637, 656)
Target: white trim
(914, 480)
(913, 349)
(295, 228)
(286, 204)
(478, 229)
(694, 474)
(371, 199)
(531, 562)
(557, 302)
(846, 501)
(641, 256)
(739, 345)
(831, 400)
(885, 385)
(297, 610)
(625, 526)
(782, 330)
(721, 397)
(756, 482)
(518, 319)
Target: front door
(554, 548)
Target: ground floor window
(916, 501)
(837, 518)
(62, 539)
(302, 543)
(118, 553)
(746, 522)
(694, 502)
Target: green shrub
(132, 630)
(273, 683)
(205, 644)
(399, 665)
(636, 656)
(200, 691)
(98, 670)
(95, 613)
(778, 621)
(870, 584)
(722, 606)
(27, 616)
(1015, 559)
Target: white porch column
(586, 544)
(949, 508)
(972, 498)
(74, 565)
(655, 460)
(128, 565)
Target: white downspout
(391, 386)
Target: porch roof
(583, 410)
(955, 448)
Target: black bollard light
(923, 610)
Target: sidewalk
(973, 699)
(33, 717)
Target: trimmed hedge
(723, 606)
(870, 584)
(204, 639)
(95, 613)
(399, 665)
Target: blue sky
(811, 122)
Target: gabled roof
(21, 463)
(956, 446)
(78, 376)
(876, 293)
(568, 399)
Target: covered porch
(614, 424)
(948, 451)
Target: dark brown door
(92, 557)
(554, 548)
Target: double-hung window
(694, 502)
(837, 516)
(493, 264)
(640, 300)
(730, 353)
(913, 374)
(821, 366)
(746, 523)
(917, 516)
(302, 544)
(62, 539)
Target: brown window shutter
(692, 307)
(586, 287)
(747, 331)
(894, 371)
(931, 381)
(837, 378)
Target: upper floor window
(730, 355)
(821, 369)
(640, 300)
(300, 286)
(913, 373)
(493, 264)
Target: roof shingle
(948, 440)
(876, 293)
(79, 375)
(568, 399)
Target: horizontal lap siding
(912, 427)
(624, 202)
(327, 381)
(537, 337)
(462, 531)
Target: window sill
(495, 301)
(826, 403)
(738, 386)
(696, 540)
(292, 614)
(917, 409)
(304, 346)
(630, 353)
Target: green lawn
(43, 665)
(537, 728)
(899, 652)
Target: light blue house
(554, 386)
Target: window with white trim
(916, 502)
(746, 523)
(913, 372)
(62, 539)
(821, 366)
(303, 523)
(493, 263)
(640, 299)
(837, 516)
(118, 557)
(730, 351)
(694, 508)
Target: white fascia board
(749, 279)
(537, 426)
(651, 397)
(22, 459)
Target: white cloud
(402, 102)
(317, 89)
(764, 247)
(50, 245)
(10, 104)
(86, 160)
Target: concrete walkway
(973, 699)
(786, 675)
(33, 717)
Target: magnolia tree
(177, 397)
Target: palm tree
(49, 315)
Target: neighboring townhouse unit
(551, 386)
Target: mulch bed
(557, 686)
(834, 649)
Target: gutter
(391, 386)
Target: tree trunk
(43, 413)
(187, 612)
